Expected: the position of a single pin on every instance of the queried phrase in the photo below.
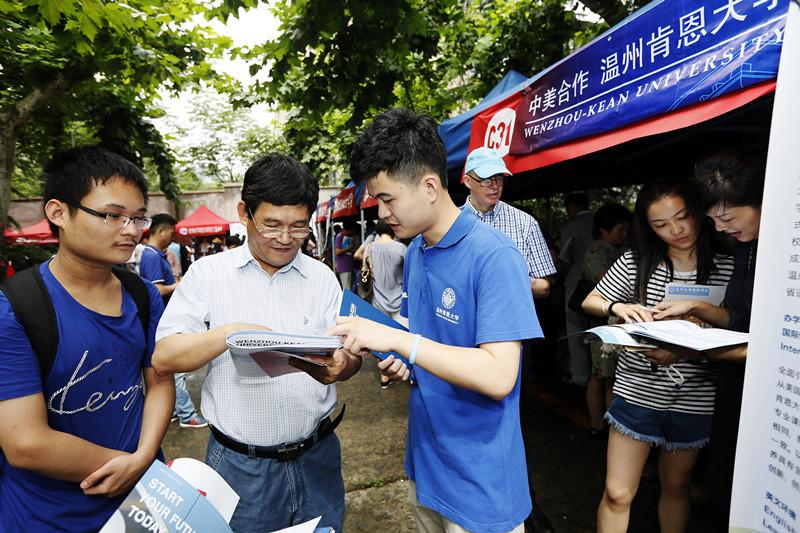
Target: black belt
(283, 452)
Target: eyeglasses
(489, 182)
(277, 232)
(117, 220)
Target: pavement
(566, 462)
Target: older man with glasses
(271, 438)
(485, 175)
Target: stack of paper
(258, 352)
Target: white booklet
(679, 332)
(258, 352)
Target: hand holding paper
(360, 336)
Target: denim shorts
(668, 429)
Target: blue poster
(670, 55)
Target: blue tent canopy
(455, 131)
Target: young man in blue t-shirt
(74, 443)
(154, 267)
(469, 307)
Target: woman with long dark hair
(729, 188)
(668, 404)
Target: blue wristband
(413, 356)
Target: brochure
(353, 305)
(187, 496)
(640, 335)
(163, 501)
(259, 352)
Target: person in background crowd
(232, 241)
(611, 224)
(469, 307)
(485, 175)
(272, 438)
(659, 398)
(344, 246)
(173, 253)
(76, 441)
(576, 238)
(730, 187)
(385, 257)
(136, 257)
(156, 268)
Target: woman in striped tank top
(670, 403)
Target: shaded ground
(565, 461)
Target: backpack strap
(34, 309)
(137, 288)
(31, 302)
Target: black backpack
(34, 309)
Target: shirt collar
(491, 212)
(242, 257)
(156, 250)
(460, 228)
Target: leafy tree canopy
(339, 62)
(96, 66)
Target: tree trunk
(11, 122)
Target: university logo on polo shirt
(448, 302)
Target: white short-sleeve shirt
(302, 297)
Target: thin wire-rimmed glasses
(489, 182)
(277, 232)
(117, 220)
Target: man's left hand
(117, 476)
(341, 366)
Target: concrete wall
(221, 201)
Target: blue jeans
(184, 408)
(278, 494)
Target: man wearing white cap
(485, 174)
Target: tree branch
(24, 109)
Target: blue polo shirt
(154, 266)
(465, 450)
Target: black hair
(608, 217)
(650, 251)
(279, 180)
(578, 199)
(401, 143)
(727, 178)
(384, 229)
(162, 220)
(71, 175)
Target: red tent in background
(344, 205)
(368, 201)
(201, 223)
(38, 233)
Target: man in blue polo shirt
(155, 267)
(469, 307)
(75, 441)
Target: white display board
(766, 484)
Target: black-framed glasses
(117, 220)
(494, 181)
(276, 232)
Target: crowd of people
(466, 281)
